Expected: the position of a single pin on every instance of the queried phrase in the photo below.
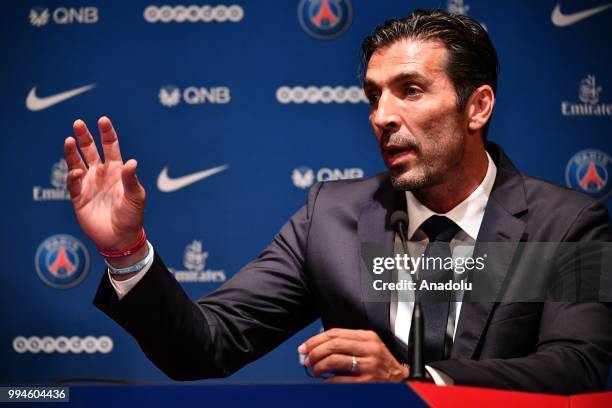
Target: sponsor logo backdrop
(233, 111)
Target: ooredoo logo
(193, 14)
(63, 344)
(324, 94)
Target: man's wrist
(128, 249)
(123, 277)
(128, 260)
(126, 273)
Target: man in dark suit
(431, 80)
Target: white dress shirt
(467, 215)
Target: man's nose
(385, 116)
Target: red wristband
(118, 253)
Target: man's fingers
(133, 190)
(335, 363)
(110, 142)
(86, 142)
(311, 343)
(345, 379)
(73, 157)
(337, 346)
(74, 182)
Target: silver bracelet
(133, 268)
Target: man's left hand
(333, 350)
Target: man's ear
(480, 107)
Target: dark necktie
(435, 304)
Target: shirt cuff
(123, 287)
(439, 377)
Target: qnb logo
(40, 16)
(194, 14)
(59, 172)
(588, 93)
(588, 171)
(324, 94)
(304, 177)
(325, 19)
(63, 345)
(194, 261)
(170, 95)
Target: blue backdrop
(270, 91)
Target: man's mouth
(395, 154)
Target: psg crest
(325, 19)
(588, 171)
(61, 261)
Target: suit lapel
(376, 236)
(499, 225)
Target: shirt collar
(467, 215)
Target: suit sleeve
(574, 348)
(262, 305)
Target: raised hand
(108, 199)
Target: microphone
(399, 220)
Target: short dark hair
(472, 59)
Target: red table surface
(453, 396)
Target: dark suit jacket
(311, 269)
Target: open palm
(106, 195)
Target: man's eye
(412, 91)
(373, 98)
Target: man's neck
(445, 196)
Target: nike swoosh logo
(563, 20)
(168, 185)
(35, 103)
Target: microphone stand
(417, 328)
